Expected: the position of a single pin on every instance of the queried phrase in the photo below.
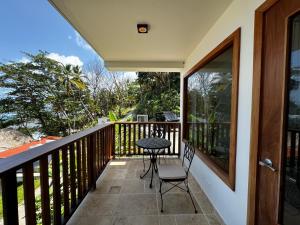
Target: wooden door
(272, 107)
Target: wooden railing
(128, 133)
(67, 168)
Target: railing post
(29, 196)
(10, 198)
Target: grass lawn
(20, 195)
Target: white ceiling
(109, 26)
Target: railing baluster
(134, 139)
(149, 129)
(45, 200)
(65, 168)
(129, 139)
(113, 144)
(84, 163)
(29, 195)
(139, 136)
(89, 162)
(72, 176)
(179, 140)
(56, 189)
(124, 139)
(120, 139)
(102, 149)
(9, 198)
(169, 132)
(100, 156)
(174, 133)
(79, 171)
(144, 130)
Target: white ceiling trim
(145, 66)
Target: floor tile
(194, 219)
(137, 220)
(122, 198)
(133, 186)
(137, 204)
(167, 220)
(178, 203)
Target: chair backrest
(158, 131)
(188, 156)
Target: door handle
(267, 163)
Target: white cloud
(24, 60)
(130, 75)
(72, 60)
(82, 43)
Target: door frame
(255, 116)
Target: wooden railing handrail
(17, 161)
(135, 122)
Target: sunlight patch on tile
(118, 163)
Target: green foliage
(157, 92)
(48, 97)
(112, 116)
(45, 96)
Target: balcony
(121, 197)
(87, 177)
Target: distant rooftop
(27, 146)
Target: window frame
(233, 41)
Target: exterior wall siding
(232, 206)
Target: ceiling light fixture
(142, 28)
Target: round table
(154, 145)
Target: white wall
(232, 206)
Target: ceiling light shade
(142, 28)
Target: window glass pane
(291, 209)
(209, 108)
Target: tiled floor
(122, 198)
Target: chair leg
(188, 191)
(161, 198)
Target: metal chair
(177, 174)
(158, 131)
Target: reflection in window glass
(291, 209)
(209, 108)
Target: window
(210, 108)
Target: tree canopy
(44, 95)
(50, 98)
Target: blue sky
(34, 25)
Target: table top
(153, 143)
